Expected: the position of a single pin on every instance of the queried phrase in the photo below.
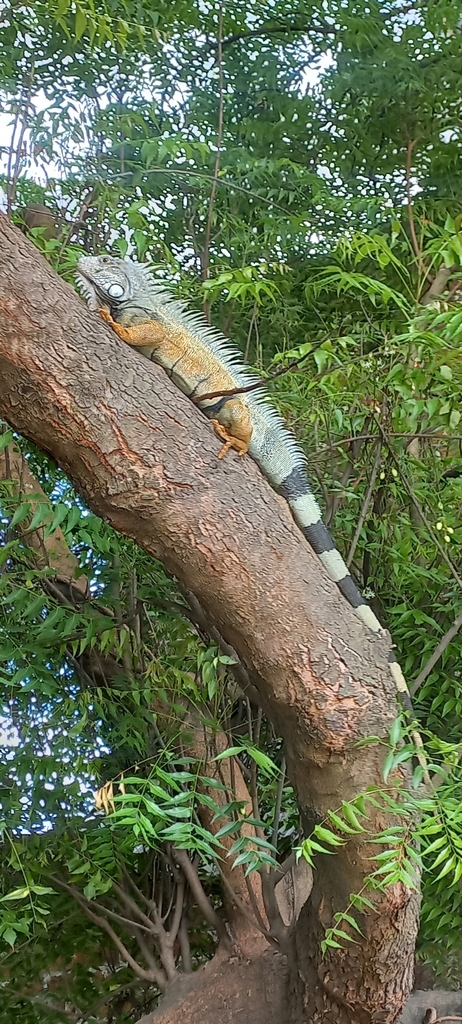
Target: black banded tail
(307, 514)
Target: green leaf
(16, 894)
(10, 936)
(6, 438)
(21, 513)
(42, 512)
(350, 815)
(80, 23)
(79, 726)
(396, 732)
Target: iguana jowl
(201, 361)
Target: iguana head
(109, 281)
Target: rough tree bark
(145, 459)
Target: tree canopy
(293, 170)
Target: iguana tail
(281, 460)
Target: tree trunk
(145, 459)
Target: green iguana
(201, 361)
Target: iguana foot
(123, 332)
(106, 315)
(241, 447)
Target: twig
(206, 177)
(267, 30)
(452, 1016)
(439, 650)
(365, 505)
(294, 365)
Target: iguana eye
(115, 291)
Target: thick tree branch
(145, 459)
(439, 284)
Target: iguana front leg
(234, 427)
(149, 333)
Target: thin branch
(9, 168)
(156, 976)
(41, 1000)
(185, 947)
(253, 774)
(278, 930)
(216, 171)
(85, 902)
(206, 177)
(334, 501)
(178, 912)
(126, 922)
(243, 909)
(278, 804)
(365, 505)
(419, 508)
(253, 320)
(410, 211)
(254, 904)
(431, 436)
(196, 615)
(151, 960)
(12, 176)
(135, 888)
(197, 890)
(269, 30)
(91, 1012)
(439, 650)
(154, 926)
(294, 365)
